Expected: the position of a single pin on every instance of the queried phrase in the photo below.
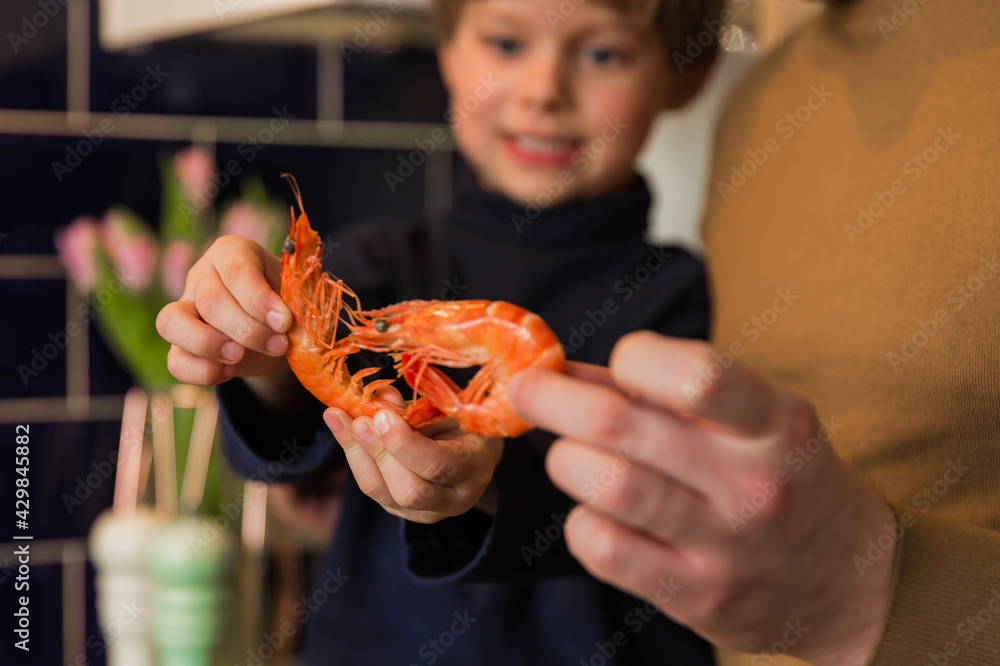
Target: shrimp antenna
(295, 189)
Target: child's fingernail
(364, 433)
(382, 422)
(276, 344)
(333, 422)
(231, 351)
(276, 320)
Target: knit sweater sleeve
(945, 599)
(272, 450)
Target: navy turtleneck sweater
(477, 589)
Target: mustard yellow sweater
(853, 235)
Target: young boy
(551, 216)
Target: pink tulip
(178, 257)
(243, 219)
(131, 247)
(77, 246)
(195, 170)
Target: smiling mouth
(541, 150)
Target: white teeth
(551, 146)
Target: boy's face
(552, 105)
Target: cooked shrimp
(315, 355)
(500, 337)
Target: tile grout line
(329, 83)
(437, 184)
(31, 267)
(54, 410)
(78, 62)
(375, 135)
(77, 354)
(74, 600)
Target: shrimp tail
(467, 406)
(422, 413)
(429, 381)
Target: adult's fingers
(633, 493)
(689, 377)
(602, 416)
(588, 372)
(645, 567)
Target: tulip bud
(77, 247)
(178, 258)
(131, 247)
(195, 168)
(244, 219)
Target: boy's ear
(685, 86)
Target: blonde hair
(689, 28)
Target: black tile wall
(195, 77)
(34, 366)
(32, 58)
(409, 87)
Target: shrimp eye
(381, 325)
(288, 245)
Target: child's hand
(423, 476)
(229, 321)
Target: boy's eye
(602, 55)
(504, 45)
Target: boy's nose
(544, 83)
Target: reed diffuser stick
(130, 451)
(164, 457)
(199, 453)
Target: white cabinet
(129, 23)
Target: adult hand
(730, 497)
